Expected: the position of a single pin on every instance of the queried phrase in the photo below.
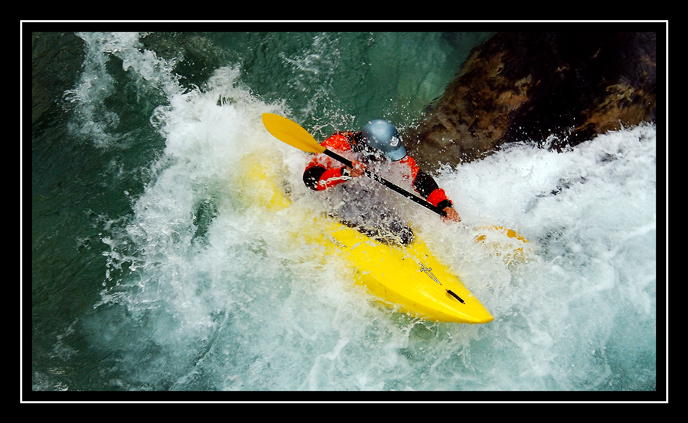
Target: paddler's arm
(428, 188)
(452, 214)
(317, 177)
(357, 171)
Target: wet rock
(554, 88)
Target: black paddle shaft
(388, 184)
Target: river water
(151, 273)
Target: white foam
(255, 312)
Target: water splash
(204, 289)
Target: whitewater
(203, 289)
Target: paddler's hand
(451, 214)
(357, 170)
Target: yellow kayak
(408, 278)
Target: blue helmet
(383, 136)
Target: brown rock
(557, 89)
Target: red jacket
(323, 172)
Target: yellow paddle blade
(507, 243)
(291, 132)
(508, 232)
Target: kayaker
(361, 202)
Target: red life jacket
(323, 172)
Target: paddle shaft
(293, 134)
(386, 183)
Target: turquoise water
(150, 272)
